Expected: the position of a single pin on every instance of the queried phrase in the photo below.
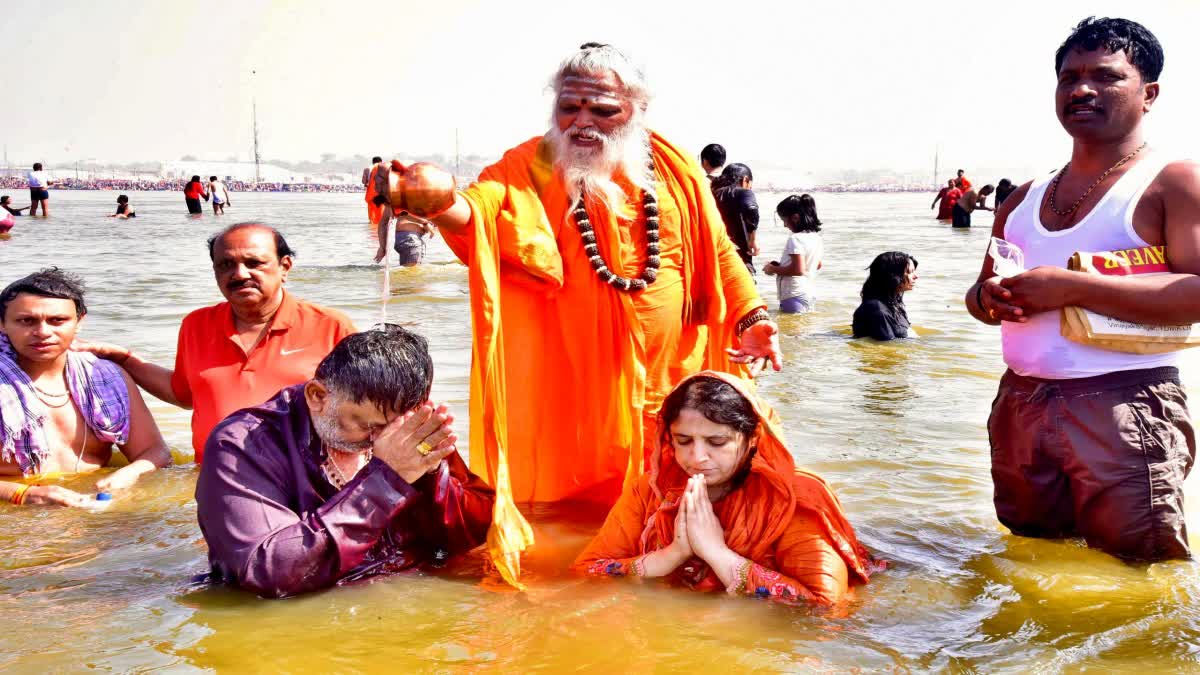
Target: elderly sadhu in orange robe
(725, 508)
(600, 273)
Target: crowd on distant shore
(173, 184)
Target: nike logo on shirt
(285, 352)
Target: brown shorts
(1100, 457)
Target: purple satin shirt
(276, 526)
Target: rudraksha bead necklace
(588, 234)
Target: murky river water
(898, 429)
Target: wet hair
(1004, 184)
(212, 177)
(4, 199)
(281, 246)
(37, 166)
(595, 59)
(376, 159)
(387, 366)
(885, 277)
(731, 176)
(714, 154)
(960, 173)
(1116, 35)
(195, 179)
(48, 283)
(805, 207)
(718, 401)
(122, 199)
(987, 189)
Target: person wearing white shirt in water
(38, 194)
(220, 195)
(797, 268)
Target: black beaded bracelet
(751, 319)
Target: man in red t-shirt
(241, 352)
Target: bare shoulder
(1179, 179)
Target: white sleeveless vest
(1037, 348)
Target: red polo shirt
(217, 377)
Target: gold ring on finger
(424, 448)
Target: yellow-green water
(898, 429)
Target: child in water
(123, 208)
(123, 211)
(802, 256)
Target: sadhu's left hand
(759, 346)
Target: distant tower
(254, 122)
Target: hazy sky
(805, 84)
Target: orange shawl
(756, 514)
(558, 376)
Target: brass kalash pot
(425, 190)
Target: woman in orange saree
(724, 507)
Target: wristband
(751, 319)
(18, 496)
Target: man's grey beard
(326, 426)
(590, 172)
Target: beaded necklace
(334, 474)
(1075, 206)
(588, 235)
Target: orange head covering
(757, 512)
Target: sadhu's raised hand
(759, 346)
(415, 443)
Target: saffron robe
(374, 211)
(565, 367)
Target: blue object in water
(103, 496)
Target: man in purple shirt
(352, 474)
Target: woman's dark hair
(48, 283)
(718, 401)
(122, 199)
(195, 179)
(1116, 35)
(731, 176)
(886, 276)
(387, 366)
(805, 207)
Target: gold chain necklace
(334, 474)
(1078, 202)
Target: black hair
(281, 246)
(961, 172)
(987, 188)
(37, 166)
(4, 199)
(387, 366)
(717, 400)
(1004, 184)
(48, 283)
(886, 276)
(122, 199)
(212, 177)
(195, 179)
(1116, 35)
(376, 159)
(804, 206)
(731, 176)
(714, 154)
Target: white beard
(590, 172)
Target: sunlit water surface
(898, 429)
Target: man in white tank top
(1086, 441)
